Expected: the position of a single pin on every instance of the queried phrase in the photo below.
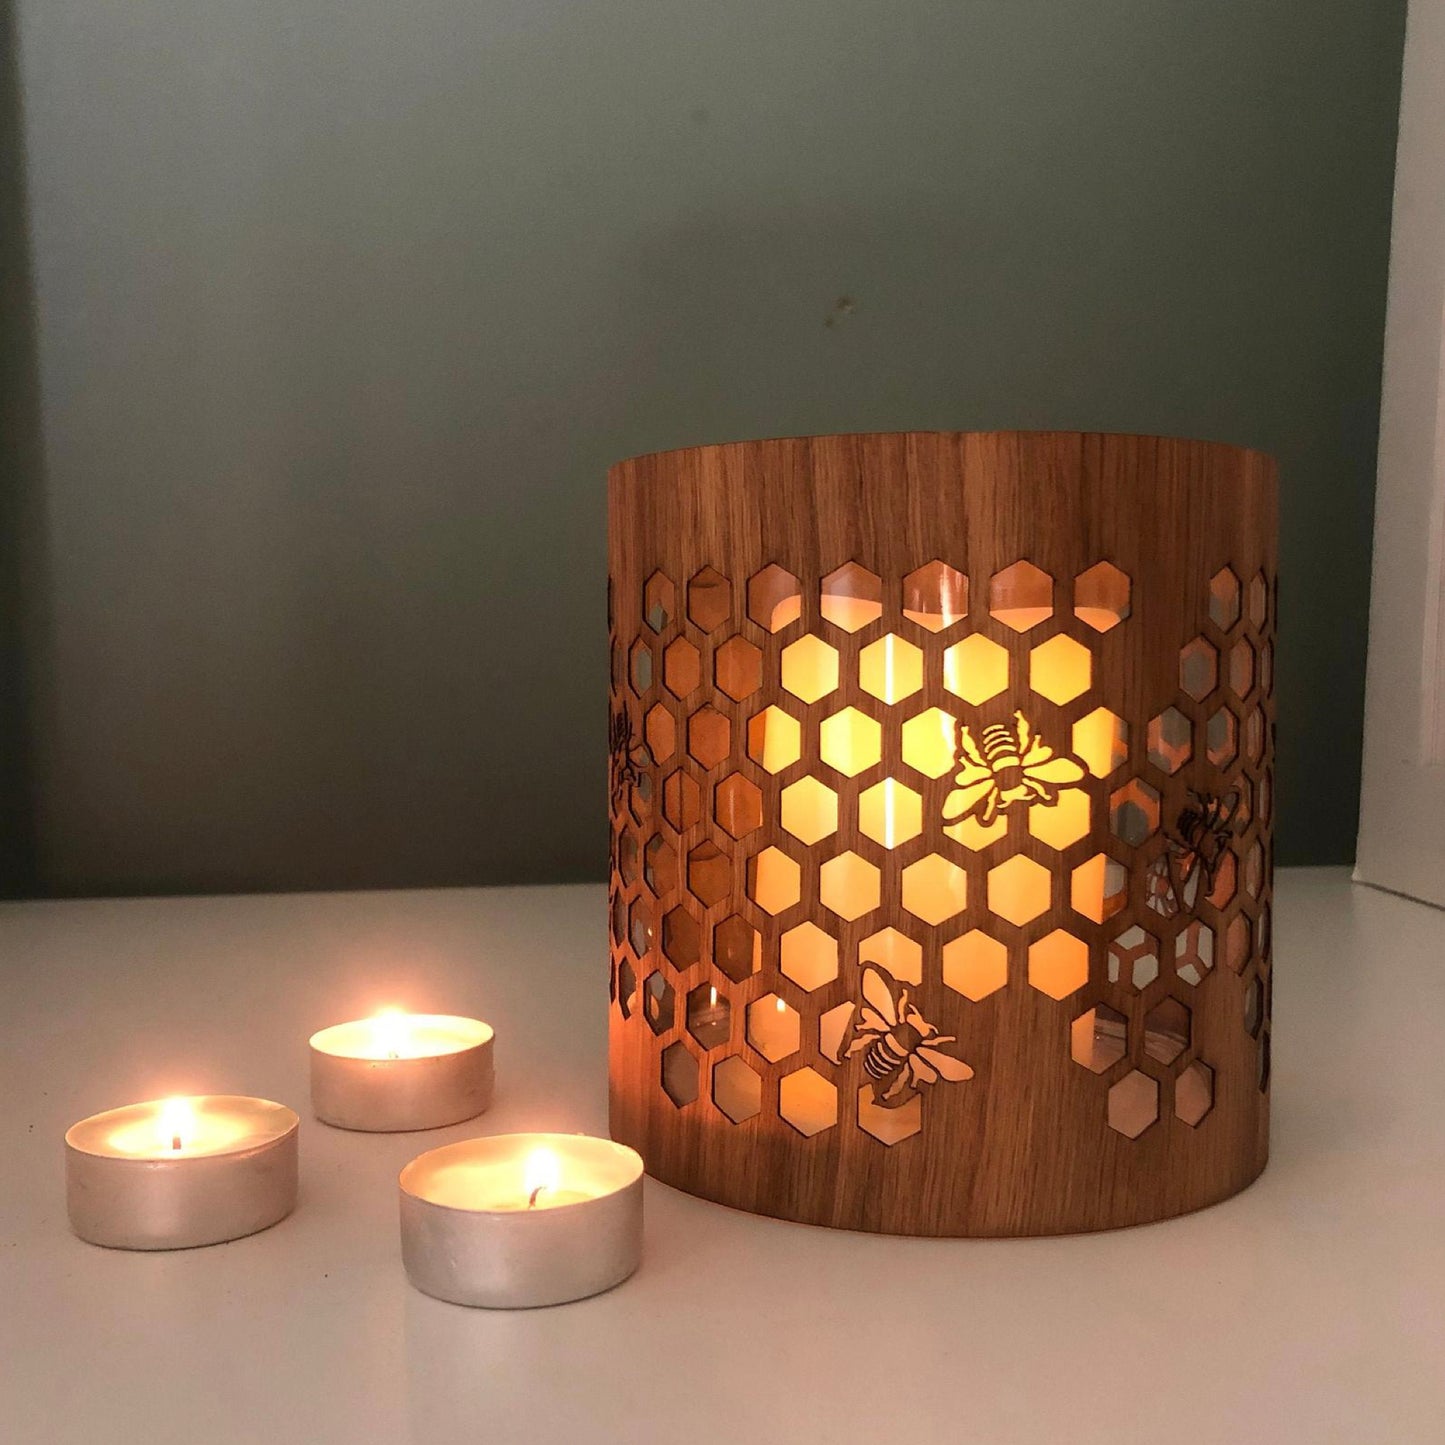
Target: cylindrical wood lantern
(942, 803)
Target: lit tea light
(180, 1172)
(399, 1071)
(520, 1220)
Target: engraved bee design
(626, 756)
(1008, 764)
(902, 1051)
(1193, 849)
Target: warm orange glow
(391, 1031)
(176, 1124)
(542, 1172)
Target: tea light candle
(401, 1071)
(520, 1220)
(176, 1173)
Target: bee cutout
(1193, 849)
(1008, 764)
(901, 1050)
(626, 756)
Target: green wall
(341, 310)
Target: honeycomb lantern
(941, 808)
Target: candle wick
(175, 1141)
(532, 1198)
(393, 1055)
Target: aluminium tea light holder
(942, 800)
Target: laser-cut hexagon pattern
(659, 601)
(1198, 668)
(1224, 599)
(1101, 597)
(852, 597)
(894, 952)
(1021, 596)
(658, 1003)
(681, 667)
(737, 1090)
(681, 801)
(709, 1016)
(659, 865)
(930, 742)
(1063, 822)
(1170, 741)
(1193, 952)
(774, 1028)
(1099, 1038)
(1253, 1006)
(1134, 958)
(775, 739)
(709, 736)
(975, 669)
(639, 667)
(1134, 812)
(935, 596)
(1254, 729)
(850, 741)
(627, 857)
(1258, 602)
(934, 888)
(1241, 668)
(890, 668)
(738, 806)
(1254, 869)
(1194, 1093)
(1221, 738)
(1058, 964)
(1133, 1104)
(775, 598)
(659, 730)
(1237, 941)
(1099, 888)
(709, 873)
(681, 938)
(889, 1126)
(737, 948)
(808, 956)
(709, 599)
(774, 880)
(890, 813)
(679, 1074)
(738, 668)
(808, 810)
(639, 927)
(809, 668)
(1018, 889)
(849, 885)
(1166, 1030)
(808, 1101)
(1060, 669)
(626, 989)
(975, 965)
(1101, 741)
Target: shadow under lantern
(941, 802)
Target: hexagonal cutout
(1058, 964)
(1253, 1007)
(890, 669)
(1193, 952)
(1101, 597)
(1258, 602)
(774, 881)
(1018, 890)
(737, 668)
(658, 601)
(973, 835)
(1266, 669)
(850, 741)
(1225, 880)
(659, 729)
(1238, 943)
(930, 742)
(1166, 1030)
(895, 953)
(889, 1125)
(738, 805)
(774, 1028)
(1241, 668)
(659, 1006)
(1134, 812)
(890, 813)
(639, 667)
(1098, 1038)
(679, 1074)
(709, 873)
(775, 739)
(1021, 596)
(1221, 738)
(849, 885)
(1194, 1093)
(975, 965)
(1170, 741)
(737, 948)
(626, 989)
(1101, 741)
(975, 669)
(1060, 669)
(1254, 869)
(833, 1029)
(709, 736)
(852, 597)
(709, 1016)
(681, 667)
(709, 599)
(1133, 1104)
(808, 809)
(808, 956)
(1224, 599)
(681, 938)
(775, 598)
(627, 855)
(659, 865)
(935, 596)
(1134, 958)
(681, 801)
(639, 927)
(1254, 731)
(1062, 823)
(737, 1090)
(807, 1101)
(934, 888)
(809, 668)
(1099, 888)
(1198, 668)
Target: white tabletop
(1308, 1309)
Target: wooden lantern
(941, 800)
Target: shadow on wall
(21, 507)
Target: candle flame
(389, 1028)
(176, 1123)
(712, 997)
(541, 1171)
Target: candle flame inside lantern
(541, 1172)
(390, 1031)
(176, 1123)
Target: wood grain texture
(1025, 1145)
